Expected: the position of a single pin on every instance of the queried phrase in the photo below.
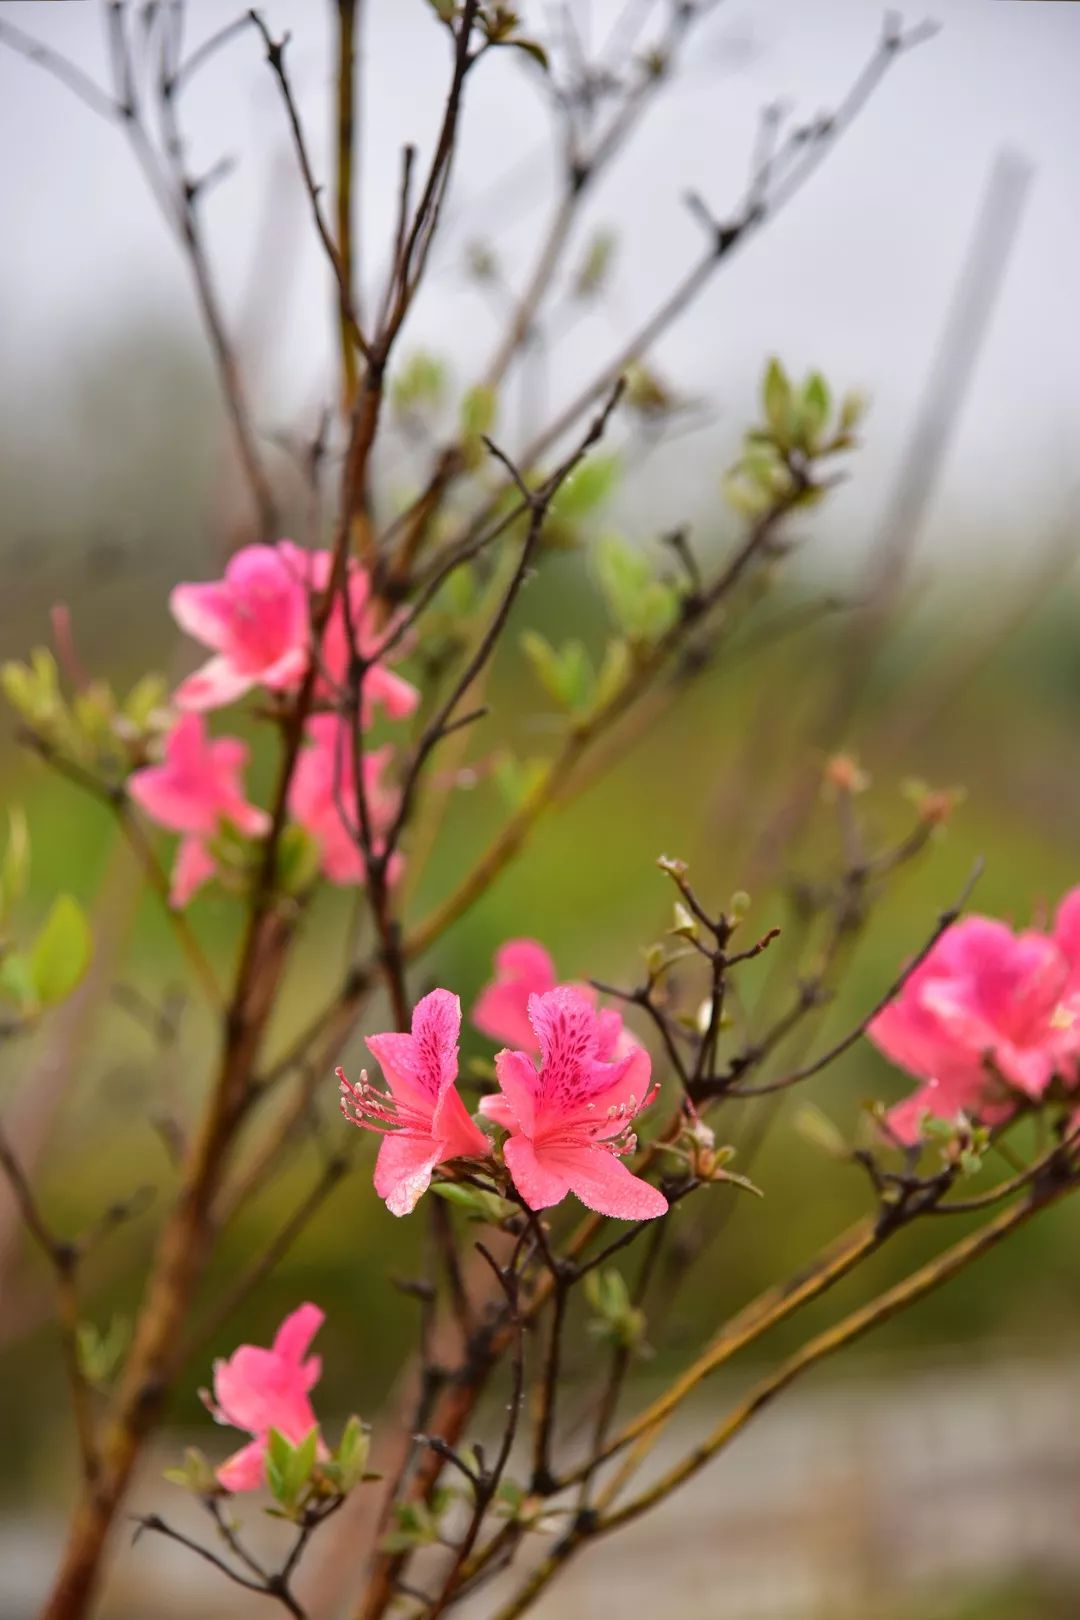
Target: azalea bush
(551, 1170)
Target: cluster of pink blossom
(258, 1390)
(569, 1090)
(989, 1022)
(257, 622)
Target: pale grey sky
(855, 277)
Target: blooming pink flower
(257, 621)
(523, 969)
(422, 1119)
(987, 1012)
(324, 801)
(569, 1123)
(259, 1390)
(193, 791)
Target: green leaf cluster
(95, 727)
(642, 606)
(615, 1317)
(567, 675)
(800, 426)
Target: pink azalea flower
(569, 1123)
(259, 1390)
(988, 1010)
(195, 789)
(523, 969)
(422, 1119)
(324, 801)
(257, 622)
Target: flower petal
(218, 682)
(392, 693)
(522, 968)
(520, 1086)
(403, 1170)
(539, 1183)
(496, 1107)
(245, 1470)
(193, 866)
(458, 1134)
(294, 1336)
(204, 612)
(424, 1062)
(248, 1386)
(603, 1183)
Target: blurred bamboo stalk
(952, 372)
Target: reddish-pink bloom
(422, 1119)
(569, 1123)
(523, 969)
(197, 787)
(257, 622)
(259, 1390)
(987, 1014)
(324, 801)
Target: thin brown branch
(339, 257)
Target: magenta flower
(422, 1119)
(259, 1390)
(987, 1016)
(523, 969)
(257, 622)
(196, 789)
(569, 1123)
(324, 801)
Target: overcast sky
(855, 276)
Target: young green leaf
(776, 400)
(612, 675)
(814, 406)
(289, 1468)
(61, 953)
(641, 605)
(565, 672)
(478, 1204)
(478, 411)
(352, 1454)
(517, 779)
(586, 489)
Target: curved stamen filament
(373, 1110)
